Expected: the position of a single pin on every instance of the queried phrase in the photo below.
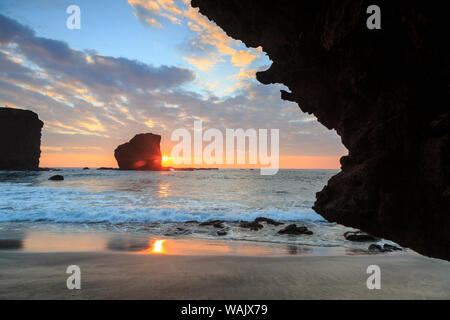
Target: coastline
(130, 267)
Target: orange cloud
(208, 32)
(92, 124)
(83, 128)
(246, 74)
(156, 8)
(243, 58)
(202, 63)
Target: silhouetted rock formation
(214, 223)
(385, 92)
(385, 248)
(359, 236)
(294, 230)
(56, 178)
(255, 226)
(20, 139)
(268, 221)
(141, 153)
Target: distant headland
(20, 146)
(20, 139)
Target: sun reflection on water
(157, 246)
(164, 190)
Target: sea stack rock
(140, 153)
(20, 139)
(385, 92)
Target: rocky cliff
(385, 92)
(140, 153)
(20, 139)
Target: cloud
(243, 58)
(91, 103)
(210, 38)
(202, 63)
(150, 12)
(91, 69)
(76, 92)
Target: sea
(171, 204)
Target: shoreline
(127, 265)
(106, 275)
(42, 239)
(133, 237)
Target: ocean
(171, 204)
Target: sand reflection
(41, 241)
(207, 247)
(52, 242)
(184, 247)
(126, 243)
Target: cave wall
(385, 92)
(20, 139)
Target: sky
(141, 66)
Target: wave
(148, 215)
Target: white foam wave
(156, 215)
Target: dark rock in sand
(388, 247)
(191, 221)
(178, 231)
(375, 248)
(11, 244)
(294, 230)
(222, 233)
(385, 92)
(140, 153)
(359, 236)
(219, 225)
(214, 223)
(20, 139)
(269, 221)
(56, 178)
(255, 226)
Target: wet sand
(191, 269)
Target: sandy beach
(176, 150)
(194, 269)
